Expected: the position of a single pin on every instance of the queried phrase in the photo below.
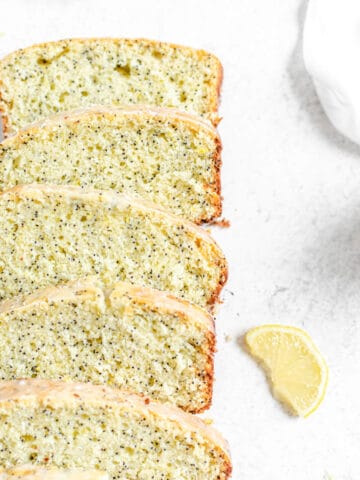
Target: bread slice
(32, 472)
(78, 425)
(43, 79)
(51, 234)
(127, 336)
(161, 154)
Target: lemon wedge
(297, 371)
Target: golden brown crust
(215, 85)
(56, 394)
(217, 189)
(167, 114)
(3, 119)
(217, 98)
(210, 372)
(3, 125)
(221, 222)
(215, 299)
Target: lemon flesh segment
(297, 371)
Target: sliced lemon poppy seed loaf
(161, 154)
(31, 472)
(70, 425)
(51, 234)
(43, 79)
(127, 336)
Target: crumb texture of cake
(69, 425)
(32, 472)
(51, 234)
(160, 154)
(125, 336)
(48, 78)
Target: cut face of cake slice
(71, 425)
(48, 78)
(126, 336)
(51, 234)
(160, 154)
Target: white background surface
(292, 193)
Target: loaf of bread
(127, 336)
(163, 155)
(44, 79)
(70, 426)
(32, 472)
(51, 234)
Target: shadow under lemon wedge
(296, 370)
